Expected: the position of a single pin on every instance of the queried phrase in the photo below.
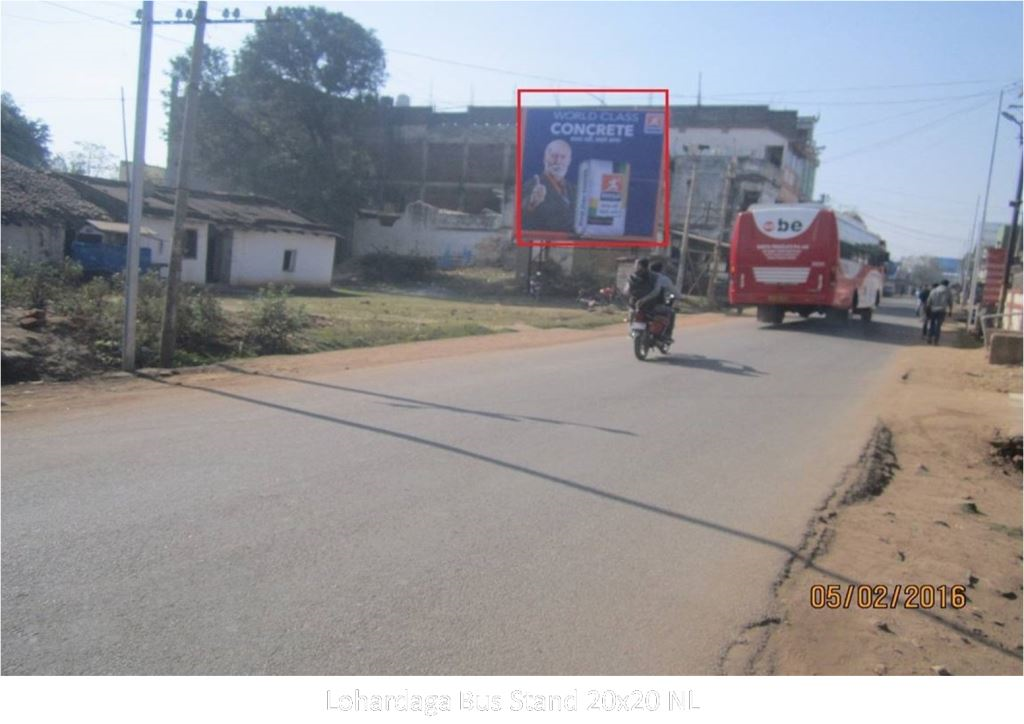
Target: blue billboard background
(609, 134)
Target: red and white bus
(805, 258)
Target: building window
(289, 260)
(190, 250)
(773, 154)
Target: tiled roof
(30, 197)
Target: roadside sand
(943, 406)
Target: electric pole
(1011, 244)
(135, 194)
(981, 231)
(168, 327)
(713, 271)
(681, 272)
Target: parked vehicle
(805, 258)
(648, 330)
(101, 248)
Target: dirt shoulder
(935, 509)
(112, 388)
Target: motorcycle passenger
(642, 289)
(664, 284)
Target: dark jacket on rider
(642, 288)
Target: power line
(893, 139)
(937, 199)
(856, 88)
(8, 16)
(127, 26)
(489, 69)
(911, 230)
(906, 101)
(111, 21)
(885, 119)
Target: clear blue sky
(906, 93)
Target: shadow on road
(697, 361)
(877, 331)
(794, 555)
(413, 404)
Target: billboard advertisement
(591, 176)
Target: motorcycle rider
(641, 286)
(664, 284)
(647, 295)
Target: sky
(907, 94)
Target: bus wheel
(865, 315)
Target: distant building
(235, 239)
(40, 213)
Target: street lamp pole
(981, 229)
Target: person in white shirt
(940, 300)
(663, 284)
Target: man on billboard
(549, 199)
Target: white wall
(732, 142)
(434, 233)
(33, 243)
(257, 258)
(192, 270)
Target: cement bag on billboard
(601, 198)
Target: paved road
(562, 510)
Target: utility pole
(713, 271)
(684, 246)
(1011, 244)
(981, 229)
(168, 327)
(138, 180)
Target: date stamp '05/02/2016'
(881, 596)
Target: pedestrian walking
(922, 297)
(940, 301)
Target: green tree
(24, 140)
(284, 124)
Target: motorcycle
(649, 329)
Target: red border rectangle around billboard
(563, 240)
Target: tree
(88, 159)
(924, 270)
(284, 124)
(311, 47)
(24, 140)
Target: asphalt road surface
(559, 510)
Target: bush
(37, 285)
(384, 266)
(201, 320)
(273, 324)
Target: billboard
(592, 176)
